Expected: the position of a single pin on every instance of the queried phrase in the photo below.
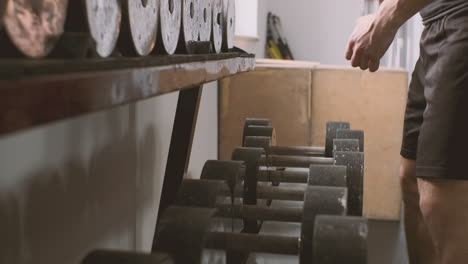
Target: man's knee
(408, 180)
(442, 198)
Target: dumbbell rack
(34, 93)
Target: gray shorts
(436, 119)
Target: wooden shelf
(35, 92)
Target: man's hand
(369, 42)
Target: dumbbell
(212, 194)
(215, 194)
(191, 235)
(102, 256)
(334, 131)
(254, 158)
(235, 172)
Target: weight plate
(261, 131)
(354, 162)
(205, 18)
(340, 240)
(217, 31)
(190, 24)
(352, 134)
(345, 145)
(2, 11)
(327, 175)
(232, 172)
(143, 17)
(124, 257)
(229, 24)
(170, 13)
(319, 200)
(332, 127)
(34, 27)
(182, 231)
(104, 17)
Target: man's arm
(374, 33)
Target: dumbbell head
(123, 257)
(260, 131)
(354, 162)
(332, 127)
(209, 194)
(182, 233)
(345, 145)
(254, 122)
(251, 157)
(257, 122)
(319, 200)
(258, 142)
(352, 134)
(340, 240)
(327, 175)
(232, 172)
(201, 193)
(185, 233)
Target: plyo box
(300, 98)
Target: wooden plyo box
(301, 98)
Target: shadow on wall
(65, 212)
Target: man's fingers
(374, 65)
(364, 62)
(349, 50)
(356, 58)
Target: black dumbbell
(102, 256)
(234, 173)
(254, 158)
(215, 194)
(266, 143)
(190, 235)
(262, 127)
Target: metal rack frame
(38, 92)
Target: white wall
(317, 30)
(91, 182)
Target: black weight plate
(345, 145)
(232, 172)
(354, 162)
(319, 200)
(123, 257)
(182, 231)
(352, 134)
(340, 240)
(332, 127)
(327, 175)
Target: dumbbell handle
(294, 161)
(264, 213)
(253, 243)
(298, 151)
(273, 193)
(285, 176)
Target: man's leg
(444, 206)
(418, 240)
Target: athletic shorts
(436, 119)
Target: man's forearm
(394, 13)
